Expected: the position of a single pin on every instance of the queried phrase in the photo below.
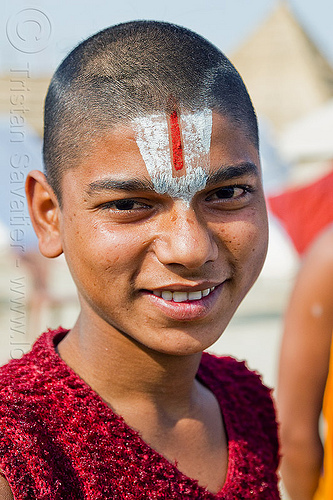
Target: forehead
(175, 152)
(175, 149)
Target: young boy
(153, 192)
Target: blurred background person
(305, 385)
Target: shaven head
(130, 71)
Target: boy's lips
(183, 296)
(183, 304)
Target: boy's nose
(184, 239)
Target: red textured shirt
(59, 440)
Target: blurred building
(286, 73)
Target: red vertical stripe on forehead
(177, 150)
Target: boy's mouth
(178, 296)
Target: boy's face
(164, 229)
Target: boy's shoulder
(239, 389)
(246, 402)
(229, 369)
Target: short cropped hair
(134, 69)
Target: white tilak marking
(152, 137)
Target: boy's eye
(124, 205)
(229, 193)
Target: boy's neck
(158, 396)
(121, 371)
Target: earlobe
(44, 213)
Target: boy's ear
(44, 213)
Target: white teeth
(183, 296)
(167, 295)
(195, 295)
(180, 296)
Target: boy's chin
(183, 342)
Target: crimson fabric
(59, 440)
(305, 211)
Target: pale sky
(42, 32)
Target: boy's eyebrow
(119, 185)
(224, 173)
(227, 173)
